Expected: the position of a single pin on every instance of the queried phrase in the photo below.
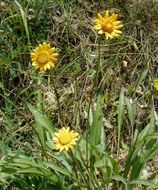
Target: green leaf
(131, 113)
(136, 168)
(110, 161)
(139, 81)
(90, 117)
(150, 128)
(149, 154)
(97, 124)
(58, 169)
(120, 178)
(41, 119)
(121, 113)
(143, 182)
(103, 139)
(95, 131)
(21, 91)
(28, 165)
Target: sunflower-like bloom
(65, 139)
(155, 84)
(108, 25)
(43, 57)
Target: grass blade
(131, 114)
(121, 112)
(24, 19)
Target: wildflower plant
(43, 58)
(110, 27)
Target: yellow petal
(55, 54)
(57, 134)
(117, 22)
(119, 26)
(66, 148)
(51, 64)
(97, 27)
(114, 17)
(61, 148)
(118, 31)
(99, 16)
(47, 47)
(109, 35)
(100, 32)
(114, 34)
(106, 14)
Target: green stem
(39, 106)
(58, 102)
(98, 65)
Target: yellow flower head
(43, 57)
(65, 139)
(156, 84)
(108, 25)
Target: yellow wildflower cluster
(44, 57)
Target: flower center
(42, 58)
(65, 139)
(107, 27)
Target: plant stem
(98, 66)
(58, 102)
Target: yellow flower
(156, 84)
(65, 139)
(43, 57)
(108, 25)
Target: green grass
(113, 106)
